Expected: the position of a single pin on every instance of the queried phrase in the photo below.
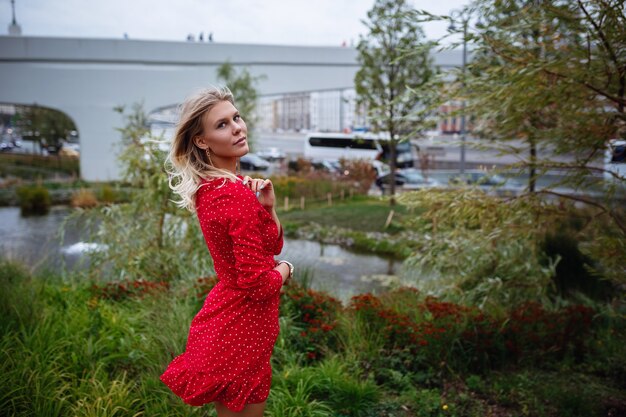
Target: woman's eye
(237, 117)
(222, 124)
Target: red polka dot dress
(231, 339)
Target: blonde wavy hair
(186, 164)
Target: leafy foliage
(359, 172)
(34, 199)
(65, 350)
(315, 312)
(39, 124)
(394, 75)
(481, 249)
(468, 339)
(551, 75)
(146, 237)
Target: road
(444, 149)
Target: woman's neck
(227, 163)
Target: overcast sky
(293, 22)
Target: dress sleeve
(253, 262)
(279, 241)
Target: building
(322, 111)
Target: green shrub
(573, 271)
(331, 382)
(108, 194)
(427, 403)
(316, 313)
(67, 348)
(84, 198)
(18, 301)
(285, 402)
(350, 397)
(148, 237)
(424, 332)
(34, 199)
(314, 187)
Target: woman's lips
(240, 141)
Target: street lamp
(462, 15)
(14, 28)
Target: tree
(242, 85)
(43, 124)
(395, 64)
(146, 237)
(553, 74)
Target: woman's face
(225, 132)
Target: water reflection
(35, 242)
(339, 271)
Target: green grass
(357, 223)
(361, 213)
(29, 166)
(564, 392)
(61, 190)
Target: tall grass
(67, 351)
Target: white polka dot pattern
(231, 339)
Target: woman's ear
(197, 140)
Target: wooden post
(389, 217)
(329, 196)
(351, 192)
(286, 203)
(301, 202)
(342, 194)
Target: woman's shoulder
(217, 192)
(216, 183)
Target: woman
(231, 339)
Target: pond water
(36, 242)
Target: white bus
(334, 146)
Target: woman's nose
(236, 127)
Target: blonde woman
(231, 339)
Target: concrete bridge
(87, 78)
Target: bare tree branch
(610, 212)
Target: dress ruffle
(198, 388)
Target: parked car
(253, 162)
(326, 165)
(272, 154)
(381, 168)
(407, 179)
(5, 146)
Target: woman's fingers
(259, 184)
(264, 183)
(255, 184)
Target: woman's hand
(264, 187)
